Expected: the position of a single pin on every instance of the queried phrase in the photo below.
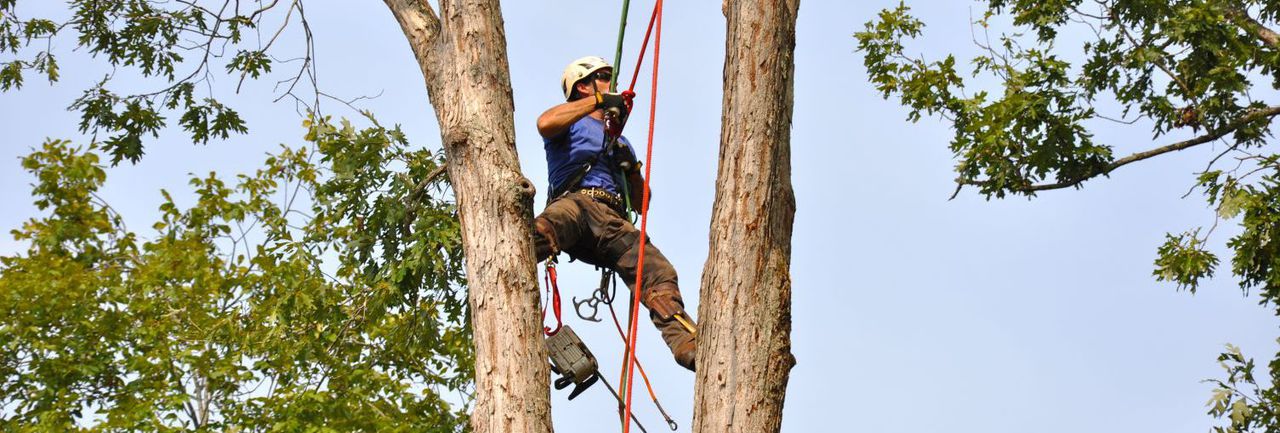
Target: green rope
(626, 198)
(613, 87)
(617, 58)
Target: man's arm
(557, 119)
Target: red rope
(643, 46)
(644, 214)
(553, 296)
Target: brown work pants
(594, 233)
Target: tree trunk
(463, 56)
(744, 341)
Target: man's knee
(557, 229)
(545, 241)
(624, 251)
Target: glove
(609, 101)
(615, 111)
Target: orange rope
(644, 221)
(618, 325)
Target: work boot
(686, 353)
(665, 304)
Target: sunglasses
(603, 76)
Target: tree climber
(585, 215)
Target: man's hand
(609, 101)
(615, 111)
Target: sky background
(911, 313)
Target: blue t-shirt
(581, 143)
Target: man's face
(598, 80)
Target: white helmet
(579, 69)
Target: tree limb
(416, 194)
(431, 177)
(417, 19)
(1252, 116)
(1241, 18)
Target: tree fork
(462, 54)
(744, 344)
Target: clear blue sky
(911, 313)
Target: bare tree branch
(1252, 116)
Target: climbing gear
(579, 69)
(553, 295)
(572, 361)
(616, 111)
(601, 295)
(576, 366)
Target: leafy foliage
(157, 39)
(1239, 399)
(303, 297)
(1184, 260)
(1185, 66)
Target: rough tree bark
(463, 56)
(744, 341)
